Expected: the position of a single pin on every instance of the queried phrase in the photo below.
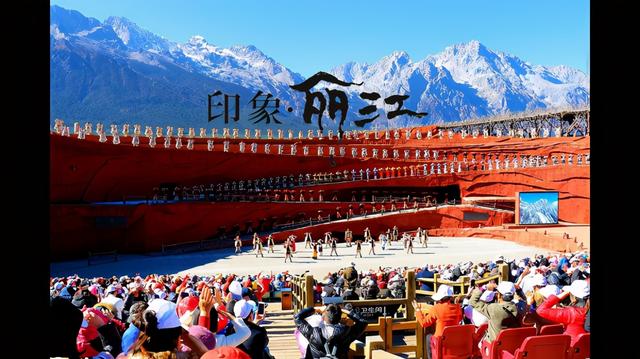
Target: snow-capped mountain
(469, 80)
(243, 65)
(539, 212)
(131, 65)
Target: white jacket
(242, 333)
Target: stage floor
(441, 250)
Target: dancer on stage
(287, 249)
(394, 234)
(410, 246)
(373, 246)
(383, 240)
(425, 238)
(255, 241)
(334, 246)
(319, 244)
(367, 234)
(308, 240)
(405, 238)
(259, 247)
(292, 243)
(314, 255)
(238, 244)
(358, 248)
(271, 244)
(348, 237)
(327, 239)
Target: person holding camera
(332, 338)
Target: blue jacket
(425, 273)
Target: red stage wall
(74, 230)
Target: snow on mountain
(245, 65)
(539, 212)
(137, 38)
(469, 80)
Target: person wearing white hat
(501, 315)
(572, 316)
(113, 298)
(396, 286)
(256, 343)
(474, 315)
(444, 313)
(161, 333)
(535, 299)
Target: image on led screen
(538, 207)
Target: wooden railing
(302, 292)
(380, 333)
(462, 286)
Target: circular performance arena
(506, 218)
(440, 251)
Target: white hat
(111, 288)
(548, 290)
(487, 296)
(539, 280)
(443, 291)
(243, 308)
(160, 293)
(166, 313)
(506, 287)
(579, 288)
(396, 278)
(235, 287)
(575, 258)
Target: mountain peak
(473, 47)
(197, 40)
(246, 50)
(400, 55)
(399, 58)
(111, 20)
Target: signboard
(371, 312)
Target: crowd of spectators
(135, 317)
(174, 316)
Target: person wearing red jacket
(264, 282)
(443, 313)
(572, 316)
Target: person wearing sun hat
(443, 313)
(475, 317)
(256, 344)
(501, 315)
(160, 333)
(112, 296)
(534, 300)
(572, 316)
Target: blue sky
(310, 36)
(534, 197)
